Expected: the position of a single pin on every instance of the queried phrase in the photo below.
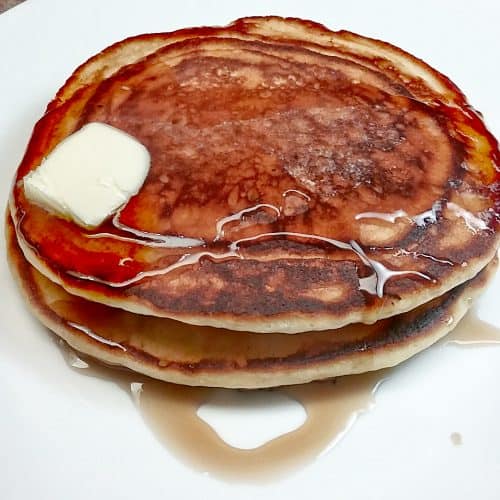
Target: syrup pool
(172, 413)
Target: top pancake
(310, 178)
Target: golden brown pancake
(314, 179)
(194, 355)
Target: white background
(65, 436)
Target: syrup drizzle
(172, 242)
(373, 284)
(402, 251)
(427, 217)
(388, 217)
(95, 336)
(164, 240)
(296, 191)
(185, 260)
(473, 222)
(239, 215)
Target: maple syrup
(170, 411)
(473, 331)
(331, 406)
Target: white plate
(65, 436)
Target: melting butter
(89, 175)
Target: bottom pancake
(205, 356)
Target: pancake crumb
(456, 438)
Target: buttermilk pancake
(300, 179)
(204, 356)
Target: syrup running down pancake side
(301, 179)
(473, 331)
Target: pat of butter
(89, 175)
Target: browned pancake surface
(194, 355)
(274, 149)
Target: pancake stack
(318, 204)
